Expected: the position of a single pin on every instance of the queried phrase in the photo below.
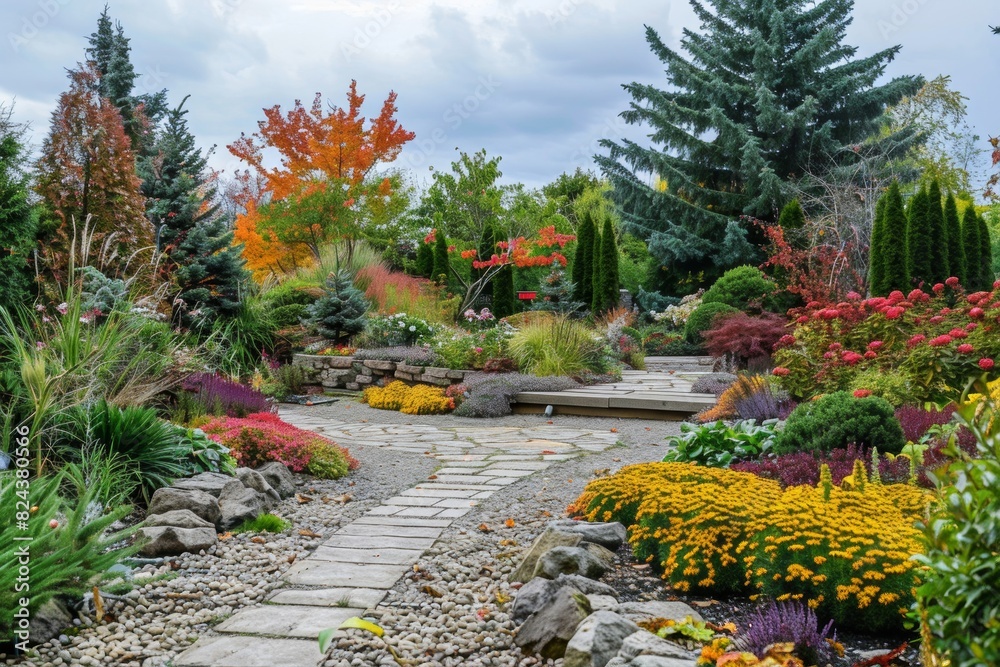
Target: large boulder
(171, 541)
(254, 480)
(49, 621)
(660, 661)
(643, 643)
(539, 592)
(239, 504)
(277, 475)
(598, 639)
(548, 540)
(212, 483)
(609, 535)
(606, 556)
(569, 560)
(177, 519)
(645, 611)
(169, 499)
(547, 631)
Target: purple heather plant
(801, 468)
(789, 621)
(207, 393)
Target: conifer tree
(442, 264)
(940, 268)
(894, 271)
(767, 91)
(792, 216)
(876, 250)
(918, 240)
(595, 274)
(556, 294)
(487, 247)
(985, 254)
(973, 248)
(207, 270)
(18, 221)
(340, 312)
(607, 293)
(956, 250)
(583, 261)
(504, 298)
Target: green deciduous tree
(769, 91)
(18, 219)
(956, 249)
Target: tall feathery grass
(559, 346)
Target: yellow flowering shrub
(418, 400)
(845, 551)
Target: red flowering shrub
(744, 337)
(262, 437)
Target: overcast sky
(536, 81)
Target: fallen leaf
(547, 451)
(291, 559)
(601, 472)
(728, 628)
(546, 513)
(614, 430)
(549, 422)
(344, 499)
(502, 598)
(364, 421)
(432, 477)
(225, 536)
(640, 566)
(433, 592)
(351, 483)
(703, 604)
(305, 532)
(617, 459)
(484, 528)
(883, 660)
(483, 613)
(509, 523)
(303, 499)
(258, 540)
(416, 568)
(508, 543)
(648, 429)
(98, 604)
(516, 585)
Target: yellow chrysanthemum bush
(845, 551)
(421, 399)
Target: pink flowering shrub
(262, 437)
(937, 340)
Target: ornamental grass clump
(559, 347)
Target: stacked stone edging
(333, 372)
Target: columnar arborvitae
(583, 262)
(895, 274)
(918, 240)
(956, 251)
(607, 295)
(504, 299)
(940, 268)
(985, 254)
(876, 250)
(442, 264)
(595, 276)
(18, 221)
(425, 260)
(764, 91)
(792, 216)
(973, 248)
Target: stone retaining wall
(353, 374)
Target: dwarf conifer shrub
(838, 420)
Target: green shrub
(237, 343)
(960, 595)
(340, 313)
(838, 420)
(703, 318)
(66, 560)
(741, 288)
(719, 445)
(290, 315)
(264, 523)
(288, 294)
(893, 385)
(558, 347)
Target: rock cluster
(333, 372)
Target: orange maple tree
(325, 184)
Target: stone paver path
(352, 571)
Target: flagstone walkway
(352, 571)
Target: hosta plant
(719, 445)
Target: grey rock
(538, 592)
(547, 631)
(170, 499)
(644, 611)
(569, 560)
(177, 519)
(212, 483)
(609, 535)
(240, 504)
(279, 478)
(598, 639)
(549, 539)
(660, 661)
(254, 480)
(171, 541)
(49, 621)
(617, 662)
(646, 643)
(603, 602)
(606, 556)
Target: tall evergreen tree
(18, 222)
(583, 261)
(595, 274)
(425, 260)
(973, 248)
(894, 261)
(985, 255)
(956, 250)
(769, 91)
(607, 294)
(876, 250)
(442, 264)
(504, 298)
(207, 270)
(940, 268)
(918, 240)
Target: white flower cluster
(678, 315)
